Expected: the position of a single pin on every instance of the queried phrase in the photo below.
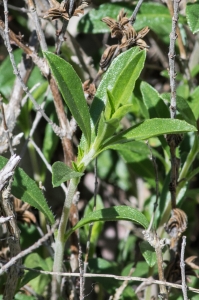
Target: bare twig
(7, 172)
(156, 188)
(5, 126)
(61, 37)
(182, 266)
(81, 277)
(38, 28)
(128, 278)
(14, 243)
(46, 163)
(56, 129)
(133, 17)
(172, 73)
(180, 41)
(28, 250)
(91, 225)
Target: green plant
(125, 111)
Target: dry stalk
(6, 209)
(182, 266)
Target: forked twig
(182, 267)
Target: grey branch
(172, 73)
(36, 245)
(7, 172)
(182, 266)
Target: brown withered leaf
(109, 54)
(192, 262)
(89, 90)
(66, 9)
(177, 224)
(22, 212)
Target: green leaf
(102, 266)
(154, 104)
(62, 173)
(193, 102)
(154, 15)
(7, 80)
(97, 226)
(192, 13)
(112, 214)
(106, 129)
(72, 92)
(148, 253)
(185, 110)
(148, 129)
(39, 283)
(24, 188)
(50, 140)
(122, 111)
(119, 80)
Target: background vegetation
(104, 117)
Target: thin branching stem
(172, 72)
(55, 128)
(182, 267)
(156, 188)
(133, 17)
(25, 252)
(5, 126)
(148, 281)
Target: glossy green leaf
(154, 15)
(26, 189)
(148, 253)
(150, 128)
(62, 173)
(112, 214)
(72, 92)
(119, 80)
(154, 104)
(192, 13)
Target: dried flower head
(132, 38)
(177, 224)
(66, 9)
(109, 54)
(89, 90)
(22, 212)
(173, 269)
(126, 35)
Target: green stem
(182, 177)
(190, 158)
(60, 239)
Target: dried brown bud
(66, 10)
(22, 212)
(109, 54)
(177, 224)
(174, 140)
(192, 262)
(89, 90)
